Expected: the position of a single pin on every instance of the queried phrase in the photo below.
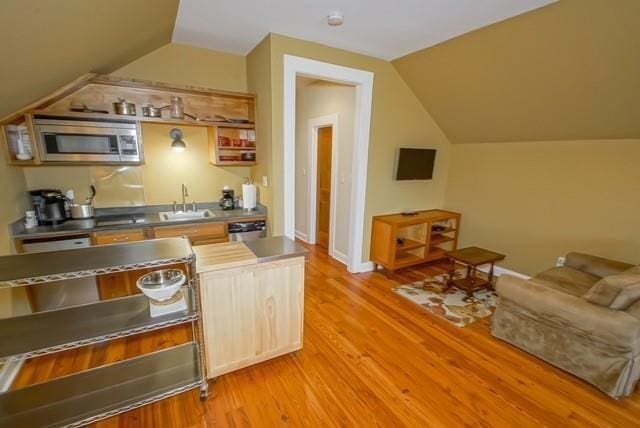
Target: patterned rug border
(431, 294)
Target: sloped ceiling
(567, 71)
(47, 43)
(380, 28)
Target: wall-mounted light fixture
(177, 144)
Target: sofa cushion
(633, 270)
(615, 291)
(634, 309)
(566, 279)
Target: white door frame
(312, 179)
(363, 82)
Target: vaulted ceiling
(567, 71)
(48, 43)
(380, 28)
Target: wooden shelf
(244, 149)
(408, 259)
(440, 239)
(83, 325)
(420, 241)
(166, 120)
(435, 254)
(99, 92)
(409, 244)
(438, 232)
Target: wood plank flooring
(372, 358)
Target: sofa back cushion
(616, 291)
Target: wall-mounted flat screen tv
(415, 164)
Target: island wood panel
(252, 313)
(279, 304)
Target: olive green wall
(398, 119)
(188, 65)
(535, 201)
(567, 71)
(48, 43)
(259, 83)
(14, 201)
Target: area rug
(431, 294)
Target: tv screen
(415, 164)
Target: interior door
(324, 186)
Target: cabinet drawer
(211, 230)
(209, 240)
(118, 236)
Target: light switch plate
(265, 181)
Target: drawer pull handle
(124, 238)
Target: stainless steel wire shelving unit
(105, 391)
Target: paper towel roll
(249, 196)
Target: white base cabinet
(252, 313)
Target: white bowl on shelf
(161, 285)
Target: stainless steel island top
(275, 248)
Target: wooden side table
(472, 257)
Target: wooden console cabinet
(399, 241)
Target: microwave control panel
(128, 145)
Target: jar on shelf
(177, 109)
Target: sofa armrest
(594, 265)
(574, 314)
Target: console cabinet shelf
(399, 240)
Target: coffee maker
(50, 206)
(227, 202)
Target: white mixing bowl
(161, 285)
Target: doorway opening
(346, 203)
(324, 162)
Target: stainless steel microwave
(91, 141)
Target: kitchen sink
(185, 215)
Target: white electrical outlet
(265, 181)
(560, 261)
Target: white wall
(321, 99)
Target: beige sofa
(583, 317)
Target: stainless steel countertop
(147, 216)
(275, 248)
(55, 265)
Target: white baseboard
(499, 271)
(8, 373)
(341, 257)
(364, 267)
(302, 236)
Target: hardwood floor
(372, 358)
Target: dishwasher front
(61, 294)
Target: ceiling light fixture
(335, 19)
(177, 144)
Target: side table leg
(452, 272)
(491, 277)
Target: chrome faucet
(185, 193)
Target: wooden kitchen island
(252, 301)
